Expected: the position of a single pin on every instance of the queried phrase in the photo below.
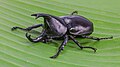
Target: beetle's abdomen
(78, 25)
(79, 30)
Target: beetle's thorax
(55, 28)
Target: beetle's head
(55, 24)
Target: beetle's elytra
(63, 27)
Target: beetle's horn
(36, 15)
(33, 14)
(40, 15)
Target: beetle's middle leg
(80, 45)
(96, 38)
(61, 47)
(28, 28)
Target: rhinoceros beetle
(63, 27)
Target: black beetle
(63, 27)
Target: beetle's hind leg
(96, 38)
(61, 47)
(28, 28)
(80, 45)
(74, 12)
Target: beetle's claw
(53, 57)
(29, 37)
(14, 28)
(94, 49)
(111, 37)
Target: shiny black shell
(78, 25)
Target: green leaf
(16, 50)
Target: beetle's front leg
(82, 46)
(28, 28)
(38, 39)
(61, 47)
(96, 38)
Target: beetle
(63, 27)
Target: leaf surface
(17, 51)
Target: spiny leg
(28, 28)
(96, 38)
(80, 45)
(74, 12)
(61, 47)
(38, 39)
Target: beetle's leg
(80, 45)
(28, 28)
(61, 47)
(96, 38)
(38, 39)
(74, 12)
